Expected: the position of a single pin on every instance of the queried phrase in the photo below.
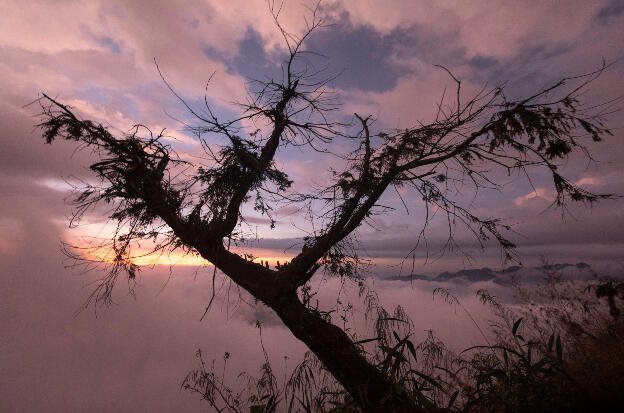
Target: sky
(98, 57)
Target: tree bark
(370, 389)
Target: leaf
(538, 366)
(428, 379)
(452, 400)
(410, 347)
(559, 348)
(366, 340)
(392, 319)
(516, 325)
(512, 351)
(258, 408)
(392, 352)
(497, 373)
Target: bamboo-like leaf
(494, 347)
(410, 347)
(452, 400)
(551, 341)
(428, 379)
(392, 319)
(392, 352)
(367, 340)
(396, 336)
(516, 325)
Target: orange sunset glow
(144, 257)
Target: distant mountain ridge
(501, 277)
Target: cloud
(99, 57)
(103, 40)
(135, 353)
(589, 181)
(613, 8)
(483, 27)
(538, 193)
(364, 56)
(252, 59)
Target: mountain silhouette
(502, 277)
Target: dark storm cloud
(482, 62)
(368, 59)
(613, 9)
(530, 69)
(251, 60)
(362, 53)
(374, 61)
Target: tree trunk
(370, 389)
(366, 384)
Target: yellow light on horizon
(144, 258)
(94, 245)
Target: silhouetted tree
(156, 195)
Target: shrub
(557, 348)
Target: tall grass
(558, 347)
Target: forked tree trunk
(370, 389)
(366, 384)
